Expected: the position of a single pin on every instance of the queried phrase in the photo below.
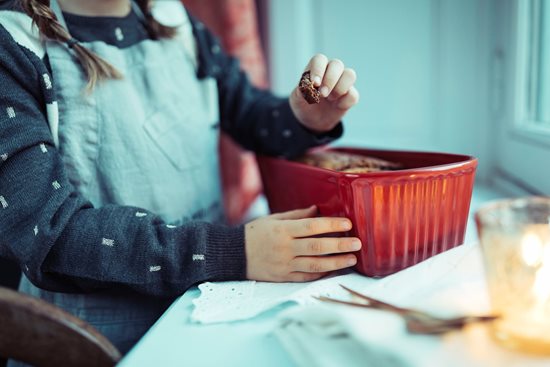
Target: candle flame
(541, 287)
(536, 253)
(532, 249)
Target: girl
(109, 192)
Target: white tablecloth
(451, 283)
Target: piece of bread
(347, 162)
(309, 91)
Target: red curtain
(235, 23)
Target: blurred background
(460, 76)
(468, 76)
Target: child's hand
(338, 94)
(279, 247)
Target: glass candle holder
(515, 242)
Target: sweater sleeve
(254, 118)
(62, 242)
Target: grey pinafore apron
(148, 140)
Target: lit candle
(515, 239)
(520, 287)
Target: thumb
(297, 214)
(297, 97)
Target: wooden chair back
(41, 334)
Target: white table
(453, 277)
(174, 341)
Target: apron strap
(54, 5)
(137, 10)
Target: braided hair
(95, 68)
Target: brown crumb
(309, 91)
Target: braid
(95, 68)
(156, 30)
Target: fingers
(334, 80)
(325, 264)
(317, 66)
(348, 100)
(314, 226)
(297, 214)
(335, 68)
(343, 85)
(325, 246)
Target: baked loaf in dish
(309, 91)
(347, 162)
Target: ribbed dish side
(411, 219)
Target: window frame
(522, 142)
(524, 123)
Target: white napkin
(232, 301)
(450, 283)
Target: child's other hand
(338, 94)
(279, 247)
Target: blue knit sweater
(63, 243)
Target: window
(538, 62)
(523, 139)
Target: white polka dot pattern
(47, 81)
(118, 34)
(3, 202)
(4, 157)
(287, 133)
(11, 112)
(43, 148)
(155, 268)
(107, 242)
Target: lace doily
(232, 301)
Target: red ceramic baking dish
(402, 217)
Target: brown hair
(95, 68)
